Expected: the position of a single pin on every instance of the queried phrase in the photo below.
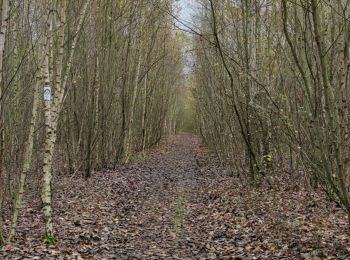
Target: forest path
(177, 203)
(166, 202)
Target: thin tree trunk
(27, 161)
(3, 34)
(128, 139)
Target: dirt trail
(177, 203)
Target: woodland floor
(177, 203)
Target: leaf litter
(179, 203)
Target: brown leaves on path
(178, 203)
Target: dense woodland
(113, 67)
(85, 85)
(272, 89)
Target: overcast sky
(187, 11)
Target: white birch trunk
(52, 112)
